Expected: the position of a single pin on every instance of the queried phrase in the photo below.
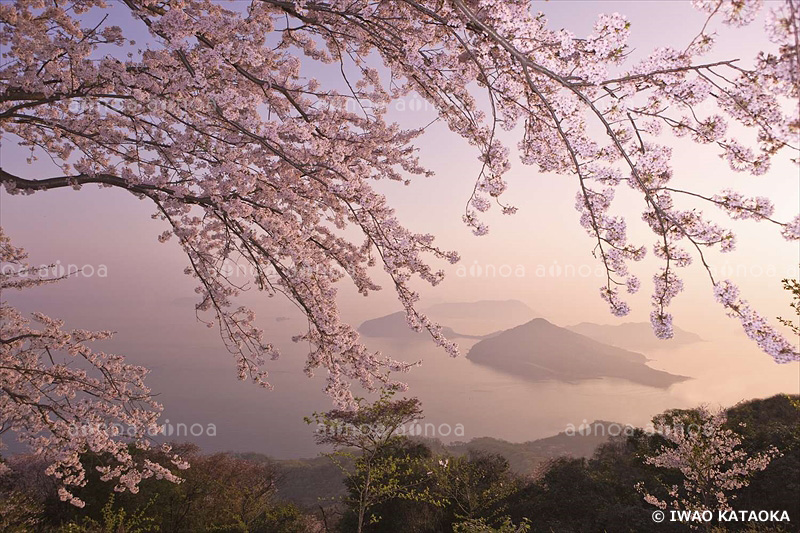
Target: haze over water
(456, 391)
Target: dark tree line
(394, 483)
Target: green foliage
(219, 493)
(587, 496)
(474, 486)
(395, 483)
(372, 453)
(281, 518)
(412, 509)
(771, 422)
(470, 488)
(479, 525)
(116, 520)
(19, 512)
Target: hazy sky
(147, 299)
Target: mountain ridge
(633, 335)
(305, 481)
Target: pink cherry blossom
(708, 455)
(218, 121)
(63, 399)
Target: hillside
(311, 482)
(526, 458)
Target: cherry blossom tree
(248, 160)
(63, 399)
(709, 457)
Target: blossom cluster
(51, 381)
(712, 461)
(218, 121)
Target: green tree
(368, 447)
(405, 514)
(479, 525)
(474, 486)
(116, 519)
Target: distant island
(471, 320)
(634, 335)
(540, 350)
(395, 326)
